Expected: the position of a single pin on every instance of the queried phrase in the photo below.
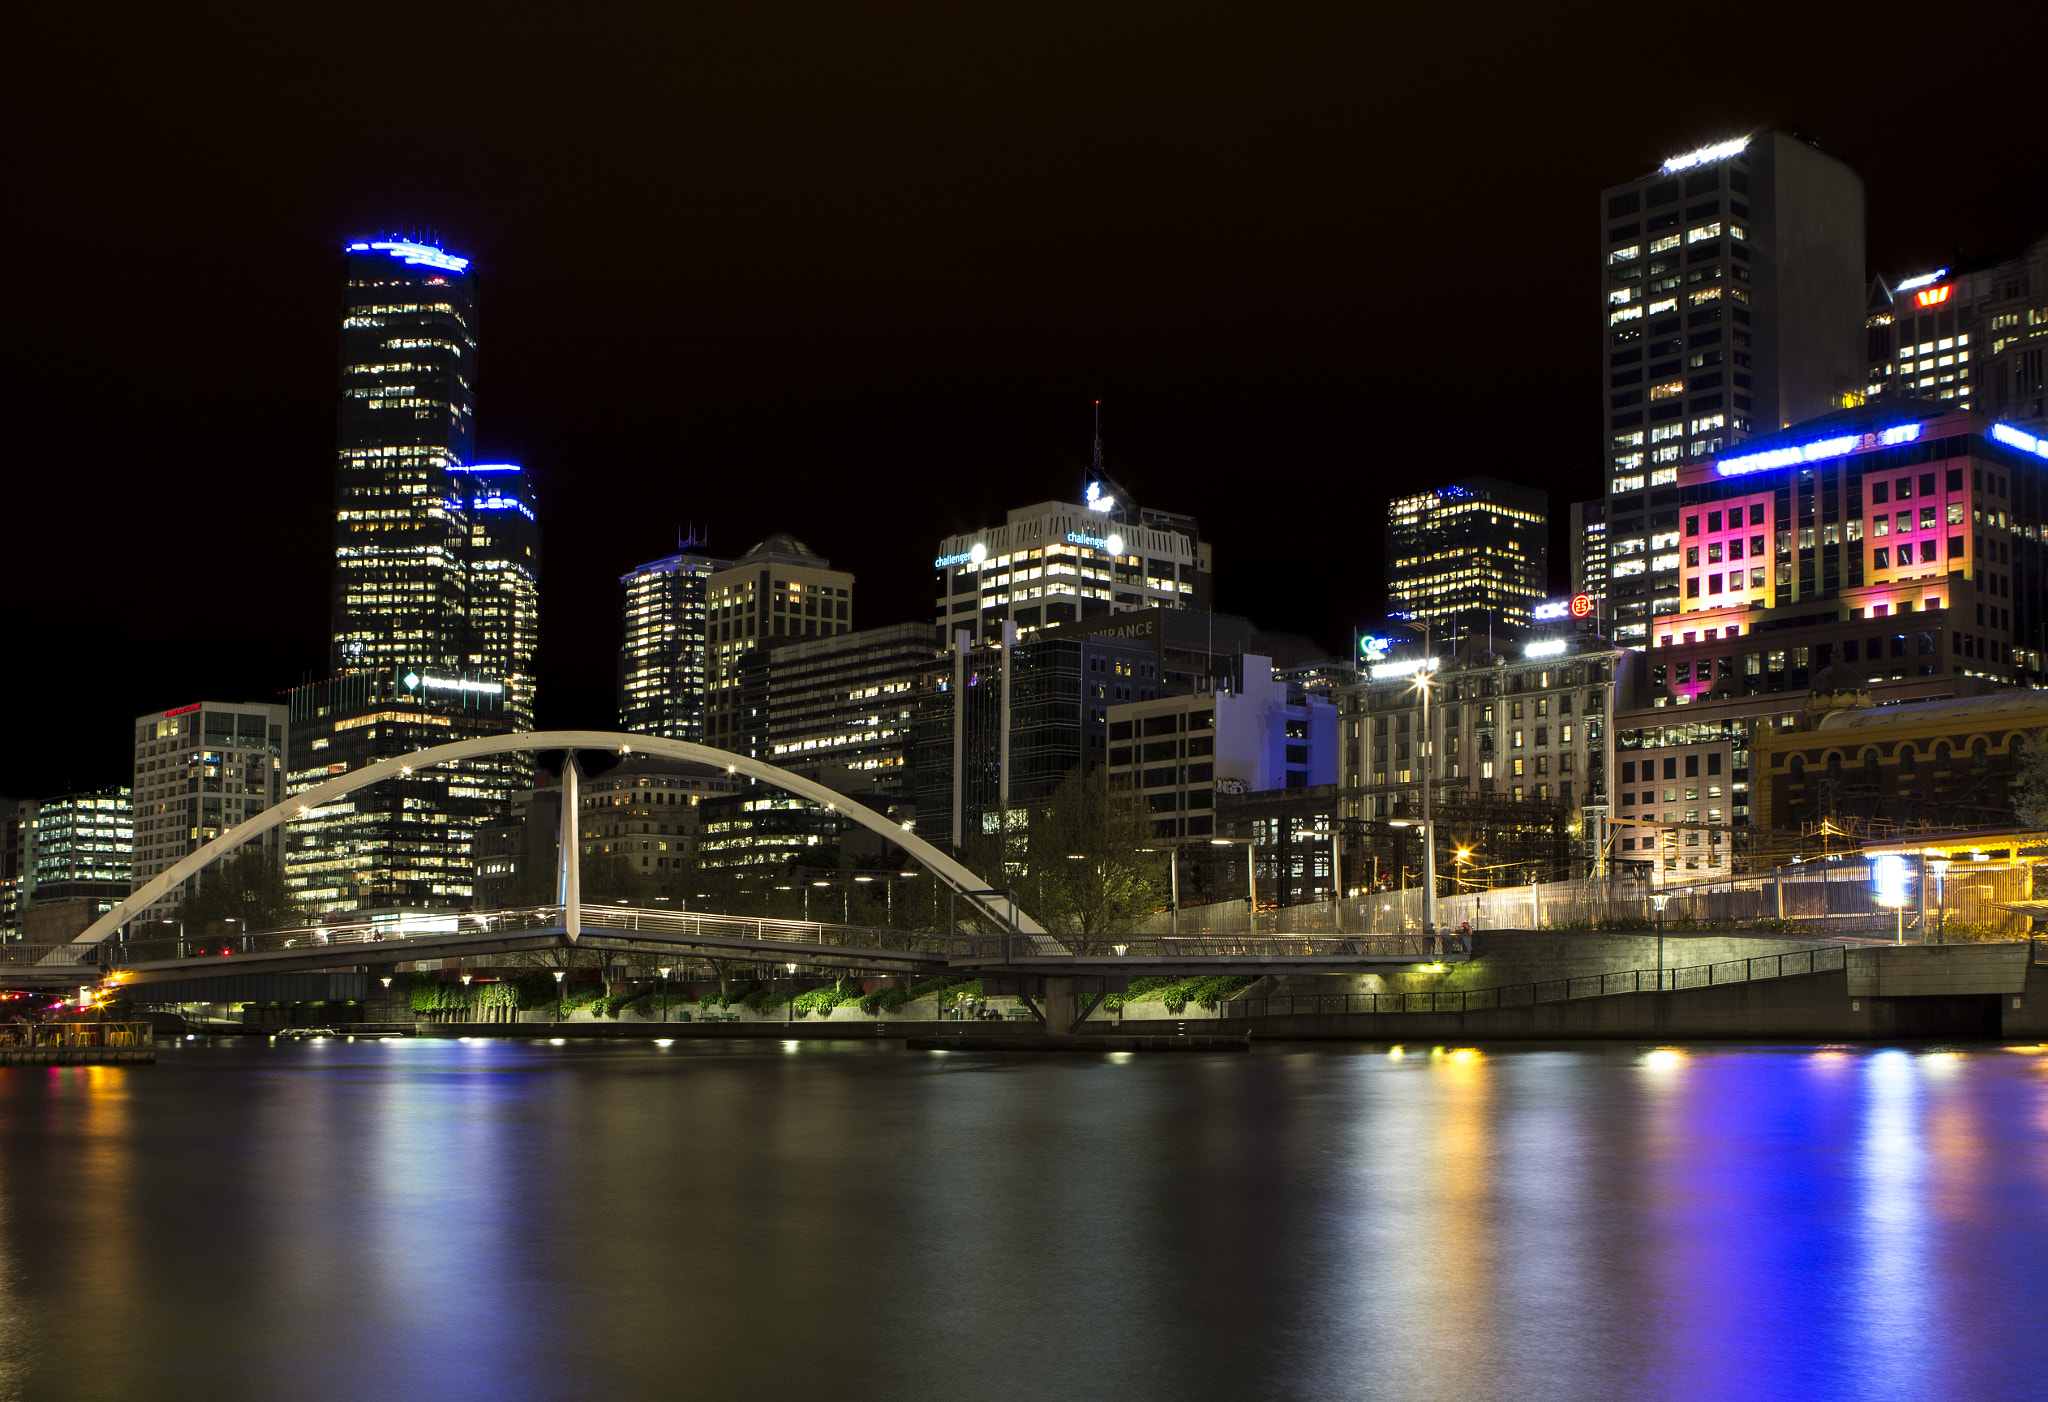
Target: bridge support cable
(945, 868)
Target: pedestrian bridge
(620, 935)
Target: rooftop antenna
(1098, 440)
(691, 540)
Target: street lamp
(791, 1015)
(665, 971)
(1658, 901)
(560, 974)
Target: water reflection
(483, 1219)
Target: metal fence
(76, 1034)
(1522, 995)
(1812, 898)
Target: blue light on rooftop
(417, 254)
(490, 467)
(2020, 439)
(1834, 447)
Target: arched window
(1870, 770)
(1909, 760)
(1942, 759)
(1980, 755)
(1834, 765)
(1799, 769)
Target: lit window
(1703, 232)
(1626, 255)
(1659, 245)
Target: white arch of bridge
(958, 877)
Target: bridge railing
(776, 936)
(1420, 948)
(1522, 995)
(76, 1034)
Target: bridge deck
(479, 938)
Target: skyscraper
(662, 660)
(777, 592)
(1464, 554)
(1732, 303)
(408, 396)
(501, 581)
(435, 602)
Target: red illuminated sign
(182, 709)
(1582, 604)
(1933, 296)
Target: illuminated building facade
(840, 708)
(1180, 752)
(406, 422)
(1897, 542)
(200, 770)
(1520, 752)
(1732, 293)
(1064, 562)
(78, 846)
(778, 591)
(1976, 337)
(1457, 554)
(407, 842)
(501, 582)
(663, 663)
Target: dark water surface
(431, 1219)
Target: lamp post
(1423, 677)
(1658, 901)
(791, 1015)
(1940, 866)
(665, 969)
(560, 974)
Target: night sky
(858, 274)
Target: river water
(740, 1219)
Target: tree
(2030, 781)
(1090, 872)
(246, 888)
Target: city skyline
(898, 419)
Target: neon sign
(2020, 439)
(416, 254)
(1550, 649)
(1113, 544)
(1582, 605)
(1374, 648)
(1555, 608)
(1393, 671)
(1814, 452)
(1097, 501)
(1922, 281)
(945, 562)
(1933, 296)
(1705, 155)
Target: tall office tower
(408, 387)
(1977, 336)
(200, 770)
(1732, 299)
(839, 709)
(501, 581)
(81, 846)
(1059, 562)
(662, 661)
(13, 861)
(1589, 548)
(778, 591)
(404, 843)
(1460, 555)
